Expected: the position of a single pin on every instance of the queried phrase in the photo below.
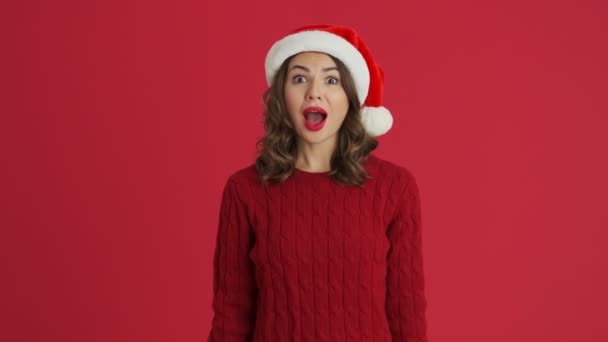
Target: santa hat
(343, 43)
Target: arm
(234, 287)
(405, 298)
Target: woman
(320, 240)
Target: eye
(334, 79)
(298, 77)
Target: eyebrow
(308, 70)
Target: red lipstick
(314, 118)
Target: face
(313, 80)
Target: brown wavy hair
(277, 148)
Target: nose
(314, 91)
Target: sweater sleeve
(405, 298)
(234, 286)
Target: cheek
(291, 105)
(339, 97)
(340, 120)
(341, 107)
(340, 101)
(290, 98)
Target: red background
(120, 122)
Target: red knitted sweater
(311, 260)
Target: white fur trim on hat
(376, 120)
(325, 42)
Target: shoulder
(390, 173)
(399, 184)
(242, 181)
(244, 175)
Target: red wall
(120, 122)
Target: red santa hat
(343, 43)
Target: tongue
(314, 117)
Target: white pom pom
(376, 120)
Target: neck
(315, 157)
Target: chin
(315, 137)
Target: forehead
(312, 59)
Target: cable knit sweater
(312, 260)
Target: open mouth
(315, 118)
